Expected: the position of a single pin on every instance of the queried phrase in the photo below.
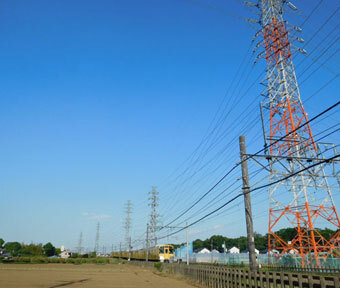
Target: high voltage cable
(315, 135)
(321, 138)
(225, 131)
(210, 161)
(261, 150)
(198, 169)
(209, 134)
(302, 73)
(312, 96)
(226, 146)
(332, 78)
(321, 27)
(261, 187)
(252, 190)
(301, 84)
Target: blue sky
(100, 100)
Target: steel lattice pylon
(304, 201)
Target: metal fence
(262, 259)
(219, 277)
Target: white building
(204, 251)
(65, 253)
(234, 250)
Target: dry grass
(87, 275)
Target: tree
(49, 249)
(2, 242)
(13, 247)
(31, 249)
(57, 251)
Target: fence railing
(220, 277)
(324, 269)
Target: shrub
(39, 260)
(70, 260)
(23, 259)
(158, 266)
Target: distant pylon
(96, 247)
(80, 243)
(128, 211)
(153, 222)
(303, 201)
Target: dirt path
(87, 275)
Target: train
(160, 253)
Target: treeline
(261, 241)
(21, 249)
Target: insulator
(298, 29)
(303, 51)
(291, 6)
(300, 39)
(253, 21)
(257, 33)
(250, 4)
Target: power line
(261, 150)
(252, 190)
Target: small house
(204, 251)
(234, 250)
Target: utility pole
(80, 243)
(305, 201)
(120, 249)
(187, 234)
(211, 249)
(153, 216)
(128, 209)
(147, 242)
(224, 252)
(247, 204)
(96, 247)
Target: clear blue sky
(100, 100)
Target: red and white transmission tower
(303, 201)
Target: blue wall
(181, 252)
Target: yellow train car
(162, 253)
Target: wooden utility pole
(187, 234)
(147, 242)
(247, 204)
(224, 252)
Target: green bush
(56, 260)
(158, 266)
(70, 260)
(39, 260)
(22, 259)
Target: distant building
(65, 253)
(215, 251)
(204, 251)
(5, 255)
(257, 252)
(234, 250)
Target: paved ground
(86, 275)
